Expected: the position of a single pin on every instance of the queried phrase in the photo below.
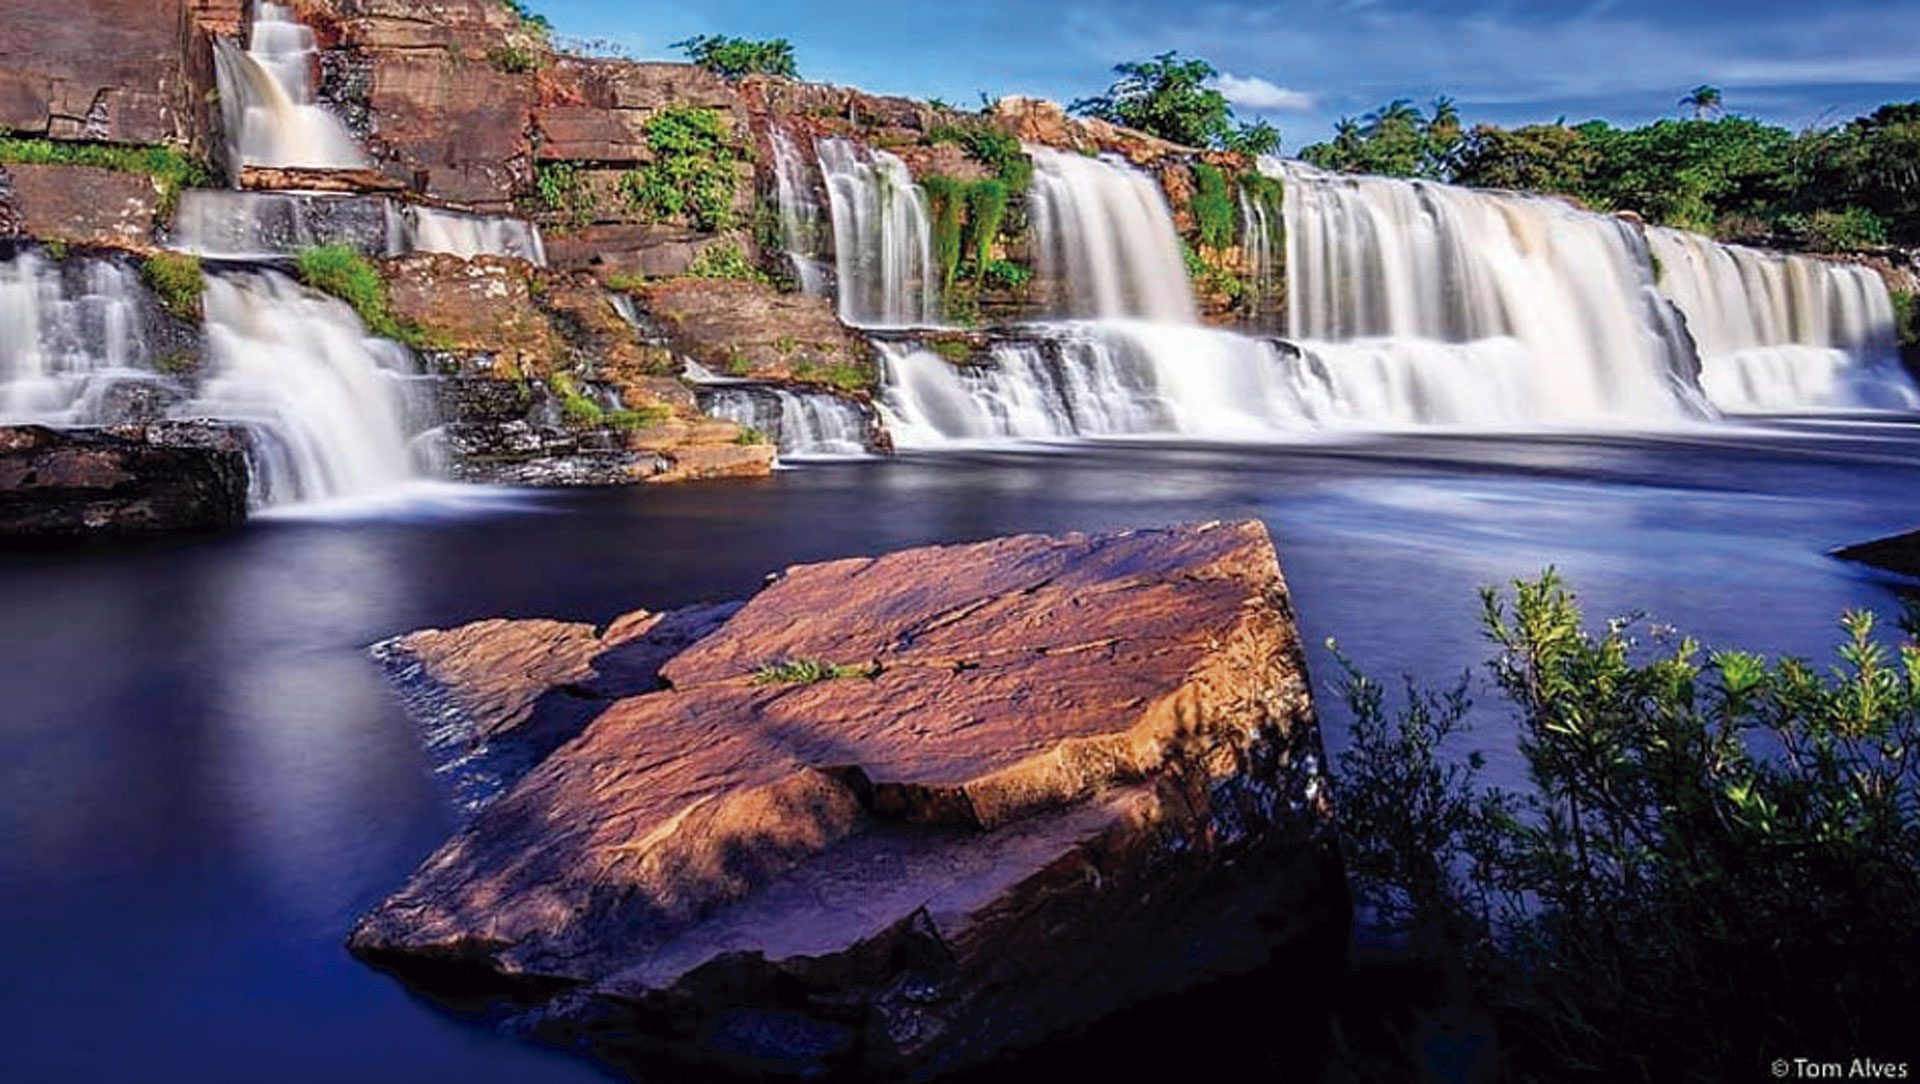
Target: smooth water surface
(205, 779)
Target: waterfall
(323, 397)
(800, 225)
(1257, 229)
(804, 424)
(69, 336)
(83, 344)
(1105, 240)
(882, 238)
(267, 99)
(262, 226)
(1784, 333)
(1422, 266)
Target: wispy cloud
(1260, 95)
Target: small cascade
(803, 424)
(1105, 241)
(415, 228)
(267, 99)
(264, 226)
(1781, 333)
(1377, 266)
(1257, 231)
(882, 238)
(69, 338)
(801, 227)
(324, 399)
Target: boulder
(81, 206)
(127, 480)
(901, 816)
(1899, 553)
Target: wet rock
(82, 206)
(127, 480)
(1899, 553)
(1046, 779)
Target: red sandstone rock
(1067, 774)
(82, 206)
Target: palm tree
(1702, 100)
(1398, 113)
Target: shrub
(1708, 844)
(692, 175)
(750, 437)
(809, 672)
(173, 169)
(1213, 210)
(992, 148)
(563, 190)
(338, 270)
(1006, 274)
(737, 57)
(725, 262)
(515, 59)
(178, 281)
(1839, 231)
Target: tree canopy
(738, 57)
(1169, 97)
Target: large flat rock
(1055, 776)
(127, 480)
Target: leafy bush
(172, 168)
(692, 175)
(750, 437)
(1846, 230)
(515, 59)
(734, 58)
(563, 190)
(179, 282)
(338, 270)
(992, 148)
(1718, 863)
(1006, 275)
(725, 262)
(1213, 210)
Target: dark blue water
(203, 779)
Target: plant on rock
(693, 175)
(735, 58)
(344, 273)
(1176, 100)
(179, 282)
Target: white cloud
(1258, 94)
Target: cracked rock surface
(1050, 778)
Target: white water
(1415, 279)
(323, 397)
(65, 345)
(882, 238)
(1105, 241)
(1256, 242)
(230, 225)
(800, 216)
(803, 424)
(267, 99)
(1784, 333)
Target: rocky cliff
(896, 816)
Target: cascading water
(1784, 333)
(1414, 279)
(803, 424)
(323, 397)
(267, 99)
(882, 238)
(260, 226)
(81, 344)
(801, 228)
(1105, 241)
(454, 233)
(1257, 230)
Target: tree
(1166, 97)
(1703, 100)
(1537, 158)
(734, 58)
(1255, 139)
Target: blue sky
(1304, 64)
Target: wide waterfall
(267, 99)
(801, 225)
(82, 343)
(1784, 333)
(804, 424)
(1105, 241)
(1414, 279)
(265, 226)
(882, 238)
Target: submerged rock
(903, 815)
(1899, 553)
(127, 480)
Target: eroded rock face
(127, 480)
(81, 206)
(1058, 776)
(752, 329)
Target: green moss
(845, 376)
(179, 282)
(1213, 210)
(750, 437)
(810, 672)
(953, 351)
(346, 274)
(986, 213)
(1006, 275)
(947, 206)
(1906, 315)
(626, 281)
(172, 168)
(725, 262)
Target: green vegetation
(986, 214)
(180, 363)
(1211, 278)
(750, 437)
(1717, 863)
(562, 189)
(1169, 97)
(947, 206)
(338, 270)
(178, 281)
(693, 174)
(1006, 275)
(734, 58)
(1906, 317)
(626, 281)
(173, 169)
(810, 672)
(1213, 207)
(580, 411)
(537, 23)
(516, 59)
(992, 148)
(1837, 189)
(844, 375)
(1270, 193)
(725, 262)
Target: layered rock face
(79, 206)
(902, 815)
(127, 480)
